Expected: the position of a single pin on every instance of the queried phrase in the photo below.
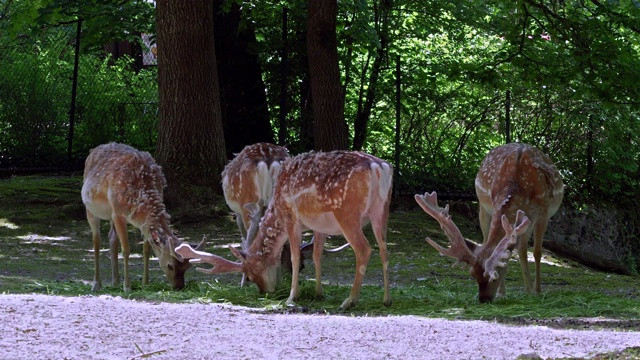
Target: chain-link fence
(115, 91)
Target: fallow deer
(249, 178)
(247, 185)
(330, 193)
(514, 180)
(124, 185)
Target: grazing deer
(514, 180)
(124, 185)
(247, 184)
(330, 193)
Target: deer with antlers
(249, 179)
(519, 189)
(330, 193)
(124, 185)
(247, 184)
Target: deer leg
(120, 224)
(538, 234)
(146, 253)
(523, 247)
(295, 237)
(362, 250)
(485, 222)
(242, 220)
(501, 288)
(318, 250)
(380, 232)
(113, 252)
(94, 223)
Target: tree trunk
(191, 148)
(330, 128)
(243, 100)
(306, 141)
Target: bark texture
(330, 129)
(191, 148)
(245, 113)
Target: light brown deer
(124, 185)
(249, 178)
(514, 180)
(330, 193)
(247, 184)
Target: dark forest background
(430, 86)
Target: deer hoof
(348, 304)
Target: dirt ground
(105, 327)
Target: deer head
(513, 180)
(485, 264)
(330, 193)
(163, 243)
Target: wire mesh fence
(116, 98)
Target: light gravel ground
(105, 327)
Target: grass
(46, 248)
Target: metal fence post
(74, 88)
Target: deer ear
(239, 254)
(173, 244)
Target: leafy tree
(104, 20)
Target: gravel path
(105, 327)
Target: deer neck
(146, 210)
(271, 237)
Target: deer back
(250, 176)
(514, 177)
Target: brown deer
(247, 184)
(330, 193)
(124, 185)
(514, 180)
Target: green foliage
(36, 85)
(32, 83)
(104, 21)
(115, 104)
(570, 69)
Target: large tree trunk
(330, 128)
(191, 146)
(243, 100)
